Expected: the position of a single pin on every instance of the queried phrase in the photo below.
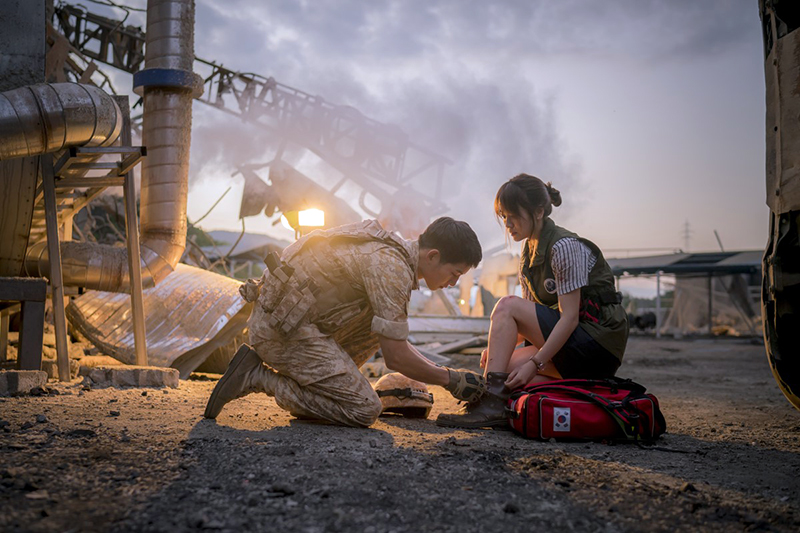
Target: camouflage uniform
(318, 362)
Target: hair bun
(555, 194)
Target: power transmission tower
(687, 235)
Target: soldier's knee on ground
(367, 413)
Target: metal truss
(100, 38)
(352, 143)
(64, 63)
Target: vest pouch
(271, 293)
(297, 304)
(251, 289)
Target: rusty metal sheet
(191, 314)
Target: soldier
(328, 303)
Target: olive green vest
(536, 273)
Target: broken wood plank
(457, 346)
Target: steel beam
(56, 280)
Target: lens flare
(311, 217)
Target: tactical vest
(601, 313)
(295, 288)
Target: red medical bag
(586, 409)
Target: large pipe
(39, 119)
(167, 84)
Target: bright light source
(285, 223)
(462, 302)
(311, 217)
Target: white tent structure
(715, 292)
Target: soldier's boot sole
(226, 388)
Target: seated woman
(570, 314)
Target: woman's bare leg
(512, 316)
(522, 355)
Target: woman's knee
(505, 307)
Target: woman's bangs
(507, 201)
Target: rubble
(50, 367)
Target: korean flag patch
(561, 416)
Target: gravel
(729, 462)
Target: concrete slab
(131, 376)
(21, 381)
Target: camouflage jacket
(363, 277)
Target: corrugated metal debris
(194, 319)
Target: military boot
(245, 374)
(488, 411)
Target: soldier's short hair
(454, 239)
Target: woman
(570, 315)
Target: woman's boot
(488, 411)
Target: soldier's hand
(466, 384)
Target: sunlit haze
(646, 115)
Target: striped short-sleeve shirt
(571, 262)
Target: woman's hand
(484, 357)
(522, 375)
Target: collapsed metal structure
(195, 320)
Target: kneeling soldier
(328, 303)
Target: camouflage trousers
(317, 378)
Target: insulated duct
(168, 87)
(39, 119)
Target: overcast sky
(645, 114)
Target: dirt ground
(146, 460)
